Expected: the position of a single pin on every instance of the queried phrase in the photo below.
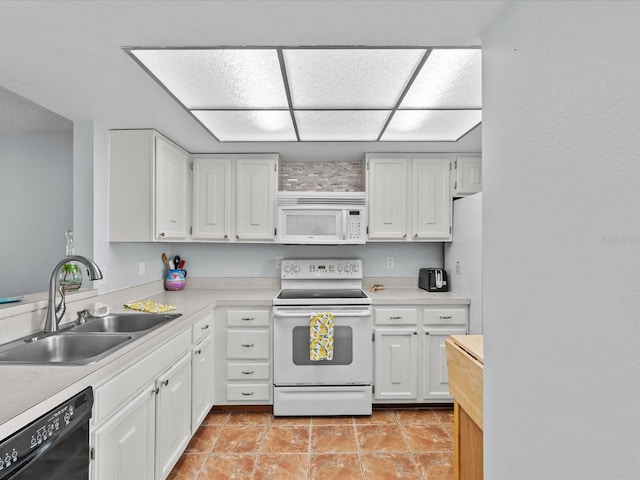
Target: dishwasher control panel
(25, 444)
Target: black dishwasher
(55, 446)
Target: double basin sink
(83, 343)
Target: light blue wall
(36, 195)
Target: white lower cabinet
(124, 445)
(408, 368)
(202, 381)
(173, 415)
(243, 357)
(145, 415)
(396, 373)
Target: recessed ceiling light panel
(450, 78)
(431, 125)
(349, 78)
(248, 125)
(219, 78)
(340, 125)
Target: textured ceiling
(68, 55)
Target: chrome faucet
(56, 312)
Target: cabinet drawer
(395, 316)
(248, 371)
(202, 328)
(248, 344)
(249, 392)
(445, 316)
(248, 318)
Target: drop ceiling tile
(450, 78)
(340, 125)
(349, 78)
(218, 78)
(431, 125)
(248, 125)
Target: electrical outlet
(279, 261)
(390, 261)
(458, 269)
(141, 268)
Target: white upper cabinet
(388, 198)
(430, 199)
(467, 178)
(212, 197)
(234, 197)
(148, 187)
(409, 197)
(256, 188)
(171, 191)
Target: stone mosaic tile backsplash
(321, 176)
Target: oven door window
(342, 347)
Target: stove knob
(296, 269)
(340, 267)
(356, 267)
(347, 268)
(287, 268)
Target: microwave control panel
(355, 225)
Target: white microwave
(321, 218)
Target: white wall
(36, 195)
(561, 160)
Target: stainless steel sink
(126, 322)
(66, 349)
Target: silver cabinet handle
(445, 317)
(247, 394)
(248, 345)
(162, 234)
(404, 236)
(204, 327)
(247, 319)
(248, 372)
(415, 235)
(198, 352)
(166, 382)
(395, 318)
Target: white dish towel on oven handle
(321, 336)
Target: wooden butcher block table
(465, 364)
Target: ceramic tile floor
(409, 444)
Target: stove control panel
(321, 269)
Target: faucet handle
(82, 316)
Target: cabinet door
(124, 445)
(468, 178)
(256, 187)
(171, 187)
(387, 198)
(436, 379)
(396, 363)
(173, 415)
(201, 381)
(212, 198)
(430, 199)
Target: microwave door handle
(362, 313)
(345, 214)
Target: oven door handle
(306, 313)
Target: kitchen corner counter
(415, 296)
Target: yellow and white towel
(321, 336)
(149, 306)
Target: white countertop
(29, 391)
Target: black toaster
(433, 280)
